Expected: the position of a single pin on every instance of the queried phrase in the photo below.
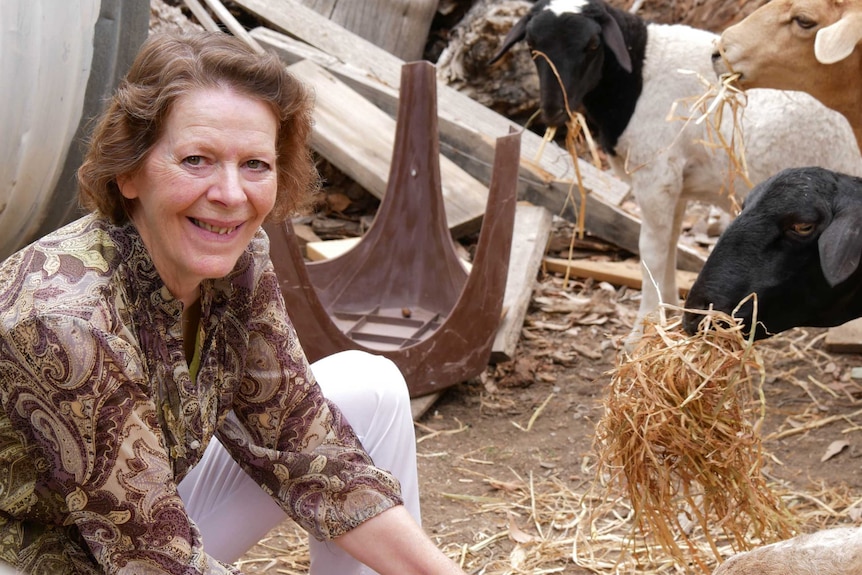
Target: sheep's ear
(614, 40)
(837, 41)
(840, 245)
(515, 35)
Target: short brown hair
(168, 66)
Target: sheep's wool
(560, 7)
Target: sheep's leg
(661, 218)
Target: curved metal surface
(58, 61)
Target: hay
(677, 440)
(709, 109)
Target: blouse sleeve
(79, 398)
(294, 442)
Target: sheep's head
(797, 245)
(806, 45)
(568, 40)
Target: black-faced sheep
(807, 45)
(796, 244)
(626, 76)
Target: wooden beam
(529, 241)
(624, 273)
(399, 26)
(467, 128)
(358, 138)
(845, 338)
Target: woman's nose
(228, 189)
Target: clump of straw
(709, 109)
(677, 438)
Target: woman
(146, 346)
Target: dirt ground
(506, 461)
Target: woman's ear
(126, 186)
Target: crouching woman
(158, 413)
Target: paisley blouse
(101, 418)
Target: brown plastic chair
(401, 291)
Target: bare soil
(505, 458)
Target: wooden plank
(532, 229)
(467, 128)
(624, 273)
(398, 26)
(419, 406)
(845, 338)
(358, 138)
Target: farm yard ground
(507, 460)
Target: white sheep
(807, 45)
(627, 76)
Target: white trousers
(233, 513)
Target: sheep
(806, 45)
(836, 551)
(628, 75)
(796, 244)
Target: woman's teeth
(214, 229)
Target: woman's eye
(257, 165)
(803, 228)
(194, 160)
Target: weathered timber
(625, 273)
(358, 138)
(398, 26)
(467, 128)
(845, 338)
(532, 229)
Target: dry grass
(720, 98)
(679, 441)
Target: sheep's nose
(554, 117)
(716, 57)
(690, 322)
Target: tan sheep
(805, 45)
(835, 551)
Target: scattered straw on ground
(560, 522)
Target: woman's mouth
(211, 228)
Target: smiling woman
(158, 412)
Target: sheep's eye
(593, 44)
(803, 228)
(804, 22)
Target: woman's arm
(392, 543)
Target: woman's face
(205, 187)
